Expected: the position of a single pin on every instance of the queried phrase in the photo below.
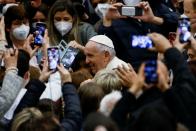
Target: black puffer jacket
(180, 99)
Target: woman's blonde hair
(25, 118)
(108, 80)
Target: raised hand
(10, 58)
(45, 73)
(160, 42)
(65, 75)
(127, 75)
(163, 77)
(139, 82)
(75, 44)
(148, 15)
(177, 44)
(112, 14)
(27, 46)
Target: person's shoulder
(84, 24)
(118, 59)
(87, 29)
(115, 62)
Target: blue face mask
(21, 32)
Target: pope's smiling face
(95, 58)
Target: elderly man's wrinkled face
(95, 58)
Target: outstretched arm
(72, 113)
(12, 83)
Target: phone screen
(151, 71)
(39, 33)
(53, 57)
(69, 56)
(184, 30)
(141, 42)
(131, 11)
(62, 48)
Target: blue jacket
(72, 120)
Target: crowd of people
(94, 65)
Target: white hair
(100, 128)
(102, 47)
(109, 101)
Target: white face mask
(63, 27)
(21, 32)
(101, 9)
(131, 2)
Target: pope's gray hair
(102, 48)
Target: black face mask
(29, 9)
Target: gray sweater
(11, 86)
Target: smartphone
(184, 29)
(39, 33)
(131, 11)
(53, 58)
(62, 48)
(150, 72)
(69, 57)
(141, 41)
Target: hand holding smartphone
(69, 57)
(39, 33)
(53, 58)
(62, 48)
(184, 29)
